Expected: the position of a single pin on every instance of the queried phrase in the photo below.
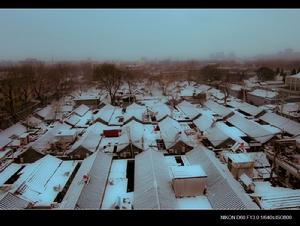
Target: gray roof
(216, 136)
(12, 202)
(283, 123)
(189, 109)
(251, 128)
(218, 108)
(223, 191)
(245, 107)
(90, 195)
(152, 187)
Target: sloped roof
(283, 123)
(136, 133)
(218, 108)
(189, 109)
(223, 191)
(216, 136)
(162, 110)
(171, 132)
(81, 110)
(243, 106)
(16, 129)
(105, 113)
(12, 202)
(37, 180)
(264, 93)
(73, 119)
(152, 182)
(252, 129)
(135, 111)
(88, 196)
(204, 122)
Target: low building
(260, 97)
(152, 182)
(188, 181)
(240, 163)
(293, 82)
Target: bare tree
(109, 78)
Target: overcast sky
(132, 34)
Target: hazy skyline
(113, 34)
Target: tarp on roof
(223, 191)
(152, 182)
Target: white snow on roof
(161, 110)
(172, 132)
(88, 195)
(15, 130)
(8, 172)
(47, 112)
(251, 128)
(193, 203)
(282, 123)
(189, 109)
(240, 157)
(243, 106)
(276, 197)
(296, 75)
(4, 140)
(187, 171)
(216, 136)
(105, 113)
(264, 93)
(218, 108)
(44, 142)
(135, 111)
(37, 181)
(81, 110)
(135, 132)
(204, 121)
(73, 119)
(118, 186)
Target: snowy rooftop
(264, 93)
(243, 106)
(189, 109)
(191, 171)
(282, 123)
(240, 158)
(218, 108)
(251, 128)
(81, 110)
(41, 181)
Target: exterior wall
(94, 102)
(238, 169)
(293, 83)
(179, 149)
(80, 153)
(187, 187)
(127, 152)
(29, 156)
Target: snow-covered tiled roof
(282, 123)
(152, 182)
(243, 106)
(264, 93)
(81, 195)
(216, 136)
(189, 109)
(251, 128)
(223, 191)
(172, 132)
(218, 108)
(135, 111)
(81, 110)
(38, 180)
